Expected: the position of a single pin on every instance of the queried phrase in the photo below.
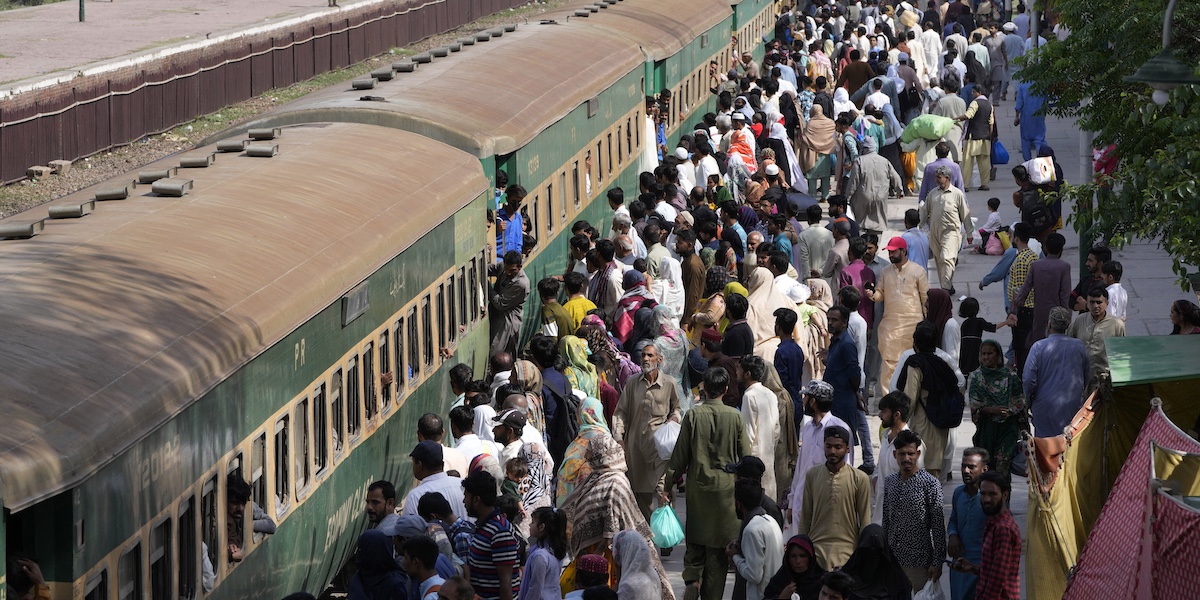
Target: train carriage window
(283, 493)
(620, 150)
(462, 296)
(637, 133)
(370, 401)
(129, 574)
(599, 163)
(549, 209)
(414, 345)
(441, 315)
(353, 398)
(629, 137)
(303, 433)
(401, 372)
(451, 311)
(385, 366)
(574, 190)
(533, 221)
(562, 192)
(475, 288)
(321, 429)
(235, 466)
(427, 328)
(258, 483)
(96, 587)
(610, 154)
(208, 523)
(337, 413)
(160, 561)
(188, 558)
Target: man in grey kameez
(507, 302)
(712, 435)
(872, 180)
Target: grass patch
(11, 4)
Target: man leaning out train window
(238, 495)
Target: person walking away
(844, 373)
(952, 107)
(816, 146)
(799, 574)
(1056, 375)
(637, 564)
(1092, 328)
(946, 213)
(903, 288)
(818, 402)
(789, 360)
(997, 403)
(981, 125)
(507, 302)
(965, 529)
(712, 435)
(1030, 119)
(836, 503)
(933, 386)
(872, 181)
(760, 546)
(556, 321)
(493, 565)
(378, 575)
(858, 275)
(646, 403)
(971, 335)
(760, 415)
(999, 569)
(1050, 277)
(894, 410)
(548, 549)
(912, 514)
(420, 554)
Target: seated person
(237, 495)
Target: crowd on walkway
(727, 335)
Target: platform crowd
(726, 336)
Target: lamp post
(1165, 72)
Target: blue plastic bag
(665, 526)
(999, 153)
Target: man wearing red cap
(902, 288)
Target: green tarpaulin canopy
(1153, 359)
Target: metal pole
(81, 15)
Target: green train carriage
(158, 344)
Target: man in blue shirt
(1056, 373)
(965, 529)
(510, 223)
(1030, 119)
(918, 242)
(789, 360)
(843, 373)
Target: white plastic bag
(1041, 170)
(931, 591)
(665, 438)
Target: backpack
(910, 99)
(566, 426)
(949, 412)
(1035, 212)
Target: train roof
(115, 322)
(493, 98)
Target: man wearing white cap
(687, 170)
(1014, 47)
(998, 59)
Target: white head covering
(841, 102)
(639, 581)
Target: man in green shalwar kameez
(712, 435)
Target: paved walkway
(1148, 279)
(41, 41)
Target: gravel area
(26, 194)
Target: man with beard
(903, 287)
(646, 403)
(912, 514)
(844, 373)
(837, 502)
(381, 505)
(894, 410)
(966, 524)
(999, 567)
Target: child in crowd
(591, 570)
(991, 226)
(973, 327)
(1118, 300)
(548, 534)
(515, 484)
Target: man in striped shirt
(493, 564)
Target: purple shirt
(930, 180)
(1050, 278)
(858, 274)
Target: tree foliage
(1152, 194)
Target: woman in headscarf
(742, 104)
(787, 444)
(575, 468)
(635, 294)
(613, 366)
(841, 102)
(765, 299)
(668, 287)
(530, 377)
(1056, 185)
(997, 406)
(711, 309)
(644, 330)
(876, 572)
(817, 143)
(580, 373)
(378, 577)
(672, 345)
(785, 157)
(890, 149)
(640, 568)
(939, 309)
(814, 326)
(603, 505)
(800, 574)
